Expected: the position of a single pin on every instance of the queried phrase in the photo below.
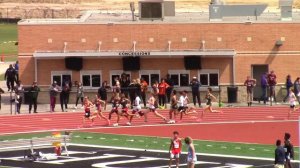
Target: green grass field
(8, 37)
(238, 149)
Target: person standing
(195, 85)
(19, 91)
(144, 89)
(191, 155)
(297, 88)
(264, 86)
(138, 88)
(279, 155)
(272, 81)
(162, 87)
(124, 83)
(64, 96)
(289, 150)
(132, 91)
(249, 83)
(1, 92)
(169, 90)
(288, 85)
(175, 149)
(79, 94)
(53, 91)
(10, 77)
(33, 92)
(17, 70)
(102, 92)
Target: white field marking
(266, 150)
(102, 138)
(105, 156)
(141, 141)
(141, 159)
(115, 139)
(252, 149)
(154, 142)
(165, 151)
(229, 165)
(209, 145)
(223, 147)
(77, 136)
(238, 148)
(130, 140)
(197, 163)
(153, 125)
(89, 137)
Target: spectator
(279, 155)
(272, 81)
(288, 85)
(102, 92)
(19, 90)
(195, 85)
(162, 87)
(124, 83)
(144, 88)
(249, 83)
(79, 94)
(33, 93)
(1, 92)
(132, 91)
(64, 96)
(264, 86)
(53, 91)
(289, 150)
(17, 70)
(297, 88)
(138, 88)
(10, 77)
(155, 89)
(117, 86)
(169, 90)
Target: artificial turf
(158, 143)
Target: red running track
(237, 132)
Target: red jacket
(162, 87)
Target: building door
(257, 71)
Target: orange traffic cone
(2, 58)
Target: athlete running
(87, 104)
(173, 107)
(292, 99)
(183, 105)
(99, 104)
(115, 101)
(209, 98)
(175, 149)
(137, 110)
(152, 107)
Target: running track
(250, 125)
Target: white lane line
(154, 125)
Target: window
(91, 79)
(61, 76)
(209, 77)
(116, 74)
(150, 76)
(180, 77)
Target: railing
(219, 91)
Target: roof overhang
(143, 54)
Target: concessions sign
(137, 53)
